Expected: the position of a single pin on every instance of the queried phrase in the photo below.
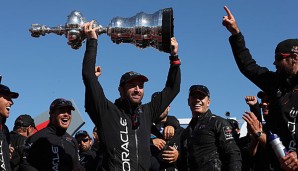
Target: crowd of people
(130, 135)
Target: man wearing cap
(6, 102)
(87, 154)
(281, 86)
(24, 127)
(210, 143)
(52, 148)
(124, 126)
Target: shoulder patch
(227, 130)
(69, 139)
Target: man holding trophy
(124, 126)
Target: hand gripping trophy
(143, 30)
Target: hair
(20, 128)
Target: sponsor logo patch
(228, 132)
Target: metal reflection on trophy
(143, 30)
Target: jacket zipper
(137, 149)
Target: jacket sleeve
(25, 165)
(231, 154)
(260, 76)
(95, 100)
(167, 95)
(17, 155)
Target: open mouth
(8, 108)
(64, 121)
(198, 104)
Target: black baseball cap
(60, 103)
(131, 75)
(24, 121)
(5, 90)
(81, 133)
(287, 46)
(199, 88)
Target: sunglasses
(281, 56)
(84, 140)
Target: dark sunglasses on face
(281, 56)
(84, 140)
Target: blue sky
(46, 68)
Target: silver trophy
(143, 30)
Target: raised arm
(172, 86)
(229, 22)
(94, 96)
(254, 106)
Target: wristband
(176, 62)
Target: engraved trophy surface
(142, 30)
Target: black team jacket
(125, 148)
(4, 148)
(282, 93)
(211, 145)
(51, 149)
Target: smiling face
(198, 103)
(133, 91)
(5, 104)
(61, 118)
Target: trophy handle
(38, 30)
